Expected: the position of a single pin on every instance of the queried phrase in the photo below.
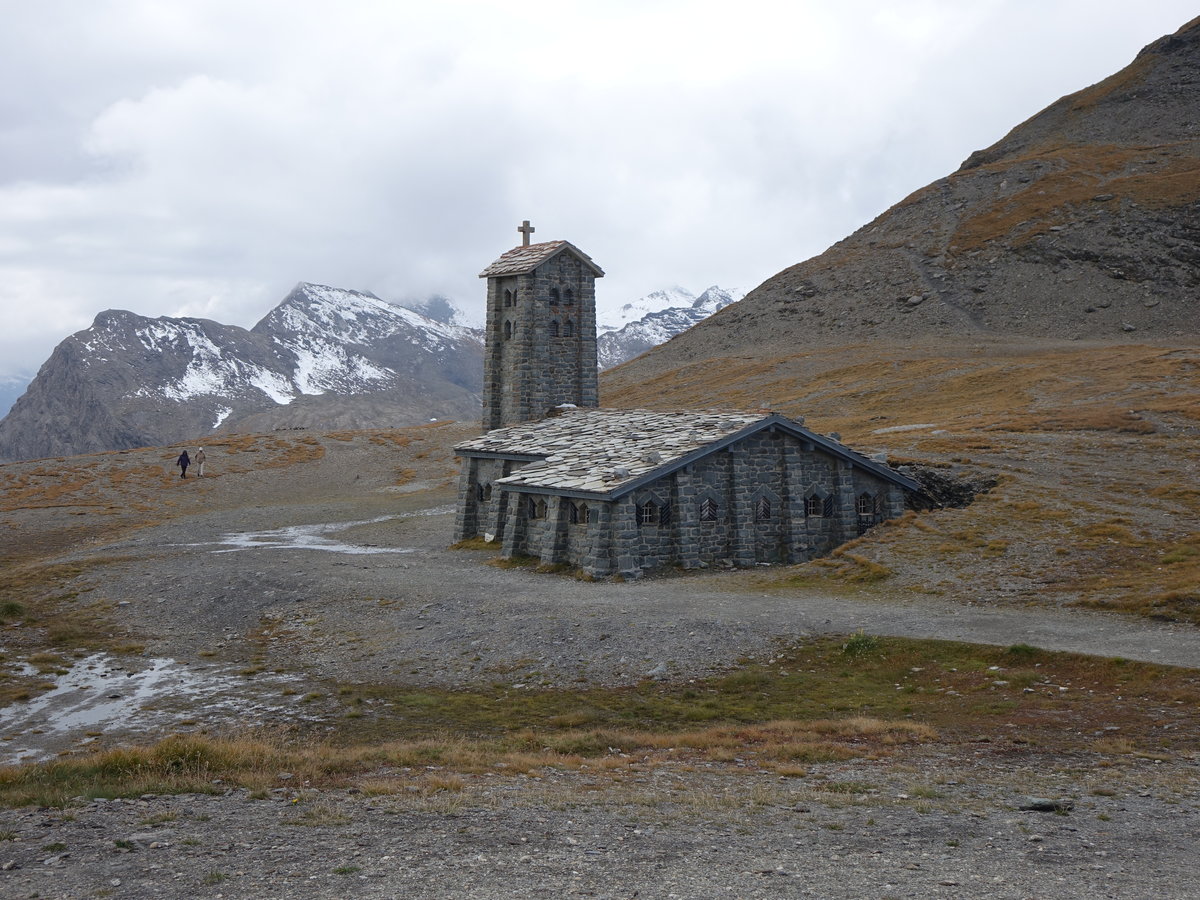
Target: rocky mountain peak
(130, 381)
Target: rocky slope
(324, 356)
(659, 324)
(1081, 223)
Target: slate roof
(522, 260)
(609, 452)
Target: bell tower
(541, 331)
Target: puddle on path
(303, 537)
(104, 697)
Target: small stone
(1043, 804)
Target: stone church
(622, 491)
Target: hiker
(183, 462)
(199, 461)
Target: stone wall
(481, 507)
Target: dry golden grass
(1000, 388)
(191, 763)
(1161, 582)
(1080, 173)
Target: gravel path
(446, 617)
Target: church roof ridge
(524, 259)
(611, 451)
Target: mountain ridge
(1082, 223)
(130, 380)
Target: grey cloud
(200, 158)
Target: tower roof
(522, 260)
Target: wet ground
(99, 697)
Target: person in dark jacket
(183, 462)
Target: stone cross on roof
(526, 230)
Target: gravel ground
(210, 574)
(663, 834)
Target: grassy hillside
(1093, 448)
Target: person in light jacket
(199, 461)
(183, 462)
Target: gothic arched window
(568, 297)
(647, 513)
(508, 330)
(508, 297)
(762, 509)
(568, 328)
(554, 296)
(554, 328)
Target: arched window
(818, 506)
(568, 297)
(865, 505)
(568, 328)
(508, 329)
(487, 491)
(554, 296)
(580, 514)
(537, 508)
(708, 510)
(762, 509)
(554, 328)
(647, 513)
(508, 297)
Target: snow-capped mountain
(444, 310)
(347, 342)
(130, 381)
(661, 323)
(616, 318)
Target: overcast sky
(200, 157)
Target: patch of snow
(892, 429)
(273, 385)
